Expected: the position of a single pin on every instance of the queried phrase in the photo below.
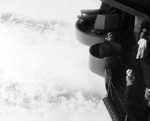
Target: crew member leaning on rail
(129, 84)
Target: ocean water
(44, 73)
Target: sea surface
(44, 74)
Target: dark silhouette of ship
(125, 29)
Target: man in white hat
(129, 84)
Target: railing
(117, 109)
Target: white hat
(128, 71)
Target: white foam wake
(44, 71)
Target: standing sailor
(129, 84)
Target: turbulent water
(44, 73)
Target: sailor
(144, 42)
(143, 53)
(110, 47)
(129, 84)
(105, 49)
